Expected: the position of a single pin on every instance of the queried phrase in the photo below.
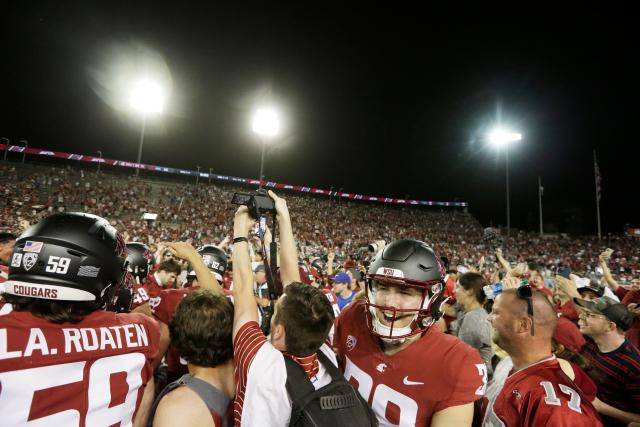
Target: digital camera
(258, 203)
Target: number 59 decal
(58, 265)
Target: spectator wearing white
(300, 325)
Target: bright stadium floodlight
(147, 97)
(266, 124)
(500, 138)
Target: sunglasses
(526, 293)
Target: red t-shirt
(86, 373)
(433, 373)
(542, 394)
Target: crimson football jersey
(163, 307)
(141, 295)
(331, 296)
(433, 373)
(540, 395)
(152, 286)
(89, 373)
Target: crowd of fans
(546, 329)
(201, 214)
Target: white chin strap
(385, 331)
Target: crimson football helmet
(71, 257)
(406, 263)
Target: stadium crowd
(401, 316)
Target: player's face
(167, 278)
(398, 297)
(592, 323)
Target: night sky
(387, 102)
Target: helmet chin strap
(385, 331)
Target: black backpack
(336, 404)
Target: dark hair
(534, 266)
(307, 316)
(170, 266)
(201, 328)
(6, 237)
(582, 362)
(52, 310)
(476, 282)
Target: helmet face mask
(403, 265)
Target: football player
(208, 265)
(63, 359)
(409, 371)
(139, 264)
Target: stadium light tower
(147, 98)
(501, 138)
(265, 124)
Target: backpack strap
(215, 400)
(168, 389)
(300, 388)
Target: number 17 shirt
(542, 395)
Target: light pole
(146, 98)
(6, 149)
(501, 138)
(24, 153)
(210, 169)
(99, 155)
(266, 124)
(198, 176)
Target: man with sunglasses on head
(537, 390)
(605, 321)
(389, 348)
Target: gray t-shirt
(474, 329)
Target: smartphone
(564, 272)
(261, 227)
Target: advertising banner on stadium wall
(267, 184)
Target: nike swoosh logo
(406, 381)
